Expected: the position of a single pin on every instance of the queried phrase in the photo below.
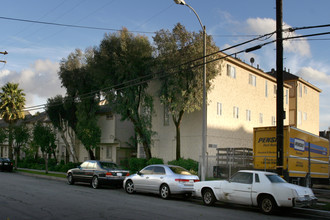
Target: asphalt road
(25, 197)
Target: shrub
(136, 164)
(188, 164)
(155, 160)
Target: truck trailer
(305, 155)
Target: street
(28, 197)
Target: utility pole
(4, 53)
(279, 80)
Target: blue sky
(35, 50)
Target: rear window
(180, 170)
(106, 165)
(275, 178)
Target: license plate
(191, 181)
(119, 174)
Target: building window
(252, 80)
(299, 118)
(266, 88)
(236, 112)
(231, 71)
(305, 90)
(273, 120)
(109, 116)
(166, 116)
(261, 118)
(108, 152)
(275, 89)
(300, 90)
(219, 108)
(305, 116)
(287, 96)
(248, 115)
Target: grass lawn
(43, 173)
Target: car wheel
(267, 205)
(164, 191)
(208, 197)
(95, 182)
(70, 179)
(129, 187)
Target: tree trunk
(10, 142)
(178, 133)
(91, 154)
(67, 146)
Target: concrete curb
(41, 176)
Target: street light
(204, 128)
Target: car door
(141, 180)
(157, 178)
(238, 190)
(78, 174)
(89, 171)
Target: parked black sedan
(97, 173)
(6, 164)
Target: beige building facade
(242, 97)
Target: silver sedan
(164, 180)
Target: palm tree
(12, 101)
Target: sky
(35, 50)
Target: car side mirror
(79, 167)
(138, 173)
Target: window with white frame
(261, 118)
(166, 115)
(305, 116)
(236, 112)
(266, 88)
(287, 96)
(219, 108)
(252, 80)
(299, 118)
(300, 90)
(305, 90)
(248, 115)
(108, 152)
(231, 71)
(275, 89)
(273, 120)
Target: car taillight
(108, 174)
(185, 180)
(196, 181)
(127, 174)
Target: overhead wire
(158, 75)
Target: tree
(12, 102)
(62, 116)
(21, 136)
(182, 90)
(79, 80)
(44, 138)
(123, 63)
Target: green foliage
(44, 138)
(136, 164)
(183, 91)
(188, 164)
(3, 135)
(123, 62)
(155, 160)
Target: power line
(158, 75)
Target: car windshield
(275, 178)
(107, 165)
(180, 170)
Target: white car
(256, 188)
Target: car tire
(95, 182)
(208, 197)
(70, 179)
(164, 191)
(129, 187)
(267, 204)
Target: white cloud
(311, 74)
(261, 26)
(38, 82)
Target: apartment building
(304, 102)
(242, 97)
